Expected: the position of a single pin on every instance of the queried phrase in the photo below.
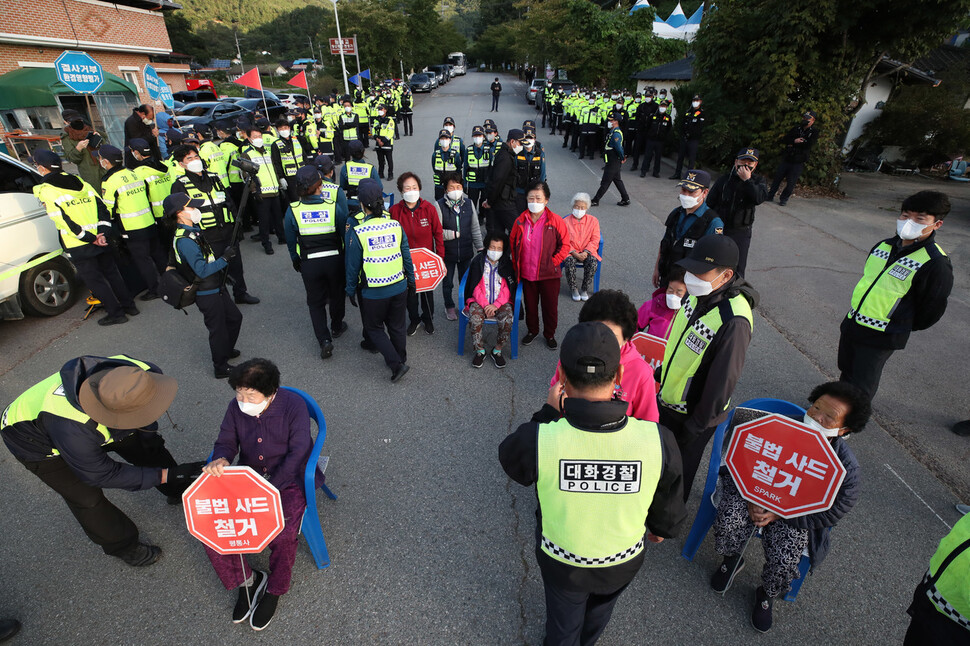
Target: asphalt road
(430, 542)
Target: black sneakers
(413, 328)
(429, 328)
(479, 359)
(248, 597)
(222, 372)
(326, 350)
(761, 615)
(623, 203)
(498, 359)
(551, 344)
(723, 577)
(263, 614)
(112, 320)
(529, 338)
(399, 372)
(338, 330)
(141, 555)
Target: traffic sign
(650, 347)
(80, 72)
(157, 88)
(349, 46)
(237, 513)
(784, 466)
(429, 269)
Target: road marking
(918, 497)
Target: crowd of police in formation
(584, 443)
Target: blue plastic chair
(310, 526)
(958, 171)
(707, 511)
(463, 319)
(389, 197)
(599, 263)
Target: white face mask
(688, 201)
(517, 149)
(454, 196)
(674, 301)
(536, 207)
(195, 215)
(105, 165)
(194, 166)
(411, 196)
(348, 109)
(290, 118)
(450, 129)
(579, 213)
(662, 109)
(240, 136)
(494, 255)
(909, 230)
(696, 104)
(257, 142)
(381, 113)
(528, 143)
(478, 141)
(444, 144)
(253, 410)
(147, 121)
(814, 425)
(490, 136)
(285, 134)
(696, 286)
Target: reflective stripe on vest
(269, 184)
(946, 579)
(212, 201)
(81, 206)
(159, 185)
(232, 153)
(595, 491)
(607, 148)
(126, 195)
(48, 396)
(883, 285)
(216, 160)
(686, 347)
(317, 225)
(441, 164)
(380, 239)
(477, 165)
(291, 159)
(357, 171)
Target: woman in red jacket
(540, 243)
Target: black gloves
(184, 474)
(296, 265)
(412, 289)
(353, 300)
(230, 253)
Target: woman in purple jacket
(269, 429)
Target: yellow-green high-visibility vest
(946, 581)
(476, 168)
(317, 225)
(268, 182)
(291, 159)
(595, 491)
(686, 346)
(380, 238)
(357, 171)
(215, 211)
(884, 284)
(80, 206)
(232, 152)
(159, 184)
(126, 195)
(216, 160)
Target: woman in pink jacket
(584, 242)
(654, 316)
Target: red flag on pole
(299, 81)
(250, 79)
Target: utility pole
(340, 40)
(357, 54)
(242, 70)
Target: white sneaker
(576, 296)
(584, 295)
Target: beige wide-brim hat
(126, 397)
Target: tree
(761, 63)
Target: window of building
(132, 77)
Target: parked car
(194, 96)
(276, 109)
(205, 112)
(26, 234)
(420, 83)
(564, 84)
(289, 100)
(252, 93)
(534, 89)
(441, 71)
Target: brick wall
(85, 21)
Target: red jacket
(422, 226)
(555, 244)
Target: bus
(458, 62)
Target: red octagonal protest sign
(237, 513)
(429, 269)
(650, 347)
(784, 466)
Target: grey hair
(582, 197)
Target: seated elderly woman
(269, 429)
(584, 242)
(838, 408)
(490, 294)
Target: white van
(35, 277)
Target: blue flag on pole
(365, 74)
(355, 79)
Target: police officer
(690, 137)
(941, 606)
(197, 263)
(384, 141)
(606, 484)
(406, 113)
(315, 227)
(706, 347)
(265, 194)
(492, 138)
(445, 158)
(378, 259)
(905, 285)
(530, 165)
(503, 181)
(231, 140)
(213, 156)
(347, 124)
(158, 180)
(288, 157)
(686, 224)
(477, 166)
(615, 157)
(126, 198)
(798, 146)
(63, 428)
(84, 225)
(734, 196)
(354, 172)
(589, 117)
(644, 111)
(217, 208)
(656, 129)
(457, 144)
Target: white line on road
(918, 497)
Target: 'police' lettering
(899, 272)
(599, 476)
(695, 343)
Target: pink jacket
(584, 234)
(654, 317)
(482, 288)
(638, 387)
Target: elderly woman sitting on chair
(269, 429)
(838, 408)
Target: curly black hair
(261, 375)
(935, 203)
(611, 306)
(859, 407)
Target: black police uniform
(690, 139)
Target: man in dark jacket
(655, 133)
(496, 89)
(837, 409)
(798, 144)
(606, 484)
(500, 190)
(692, 127)
(686, 224)
(734, 196)
(641, 118)
(705, 353)
(141, 125)
(63, 428)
